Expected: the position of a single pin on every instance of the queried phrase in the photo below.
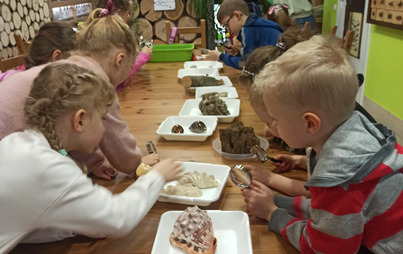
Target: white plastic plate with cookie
(209, 195)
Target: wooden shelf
(68, 3)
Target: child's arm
(281, 183)
(92, 210)
(145, 55)
(228, 59)
(290, 162)
(150, 159)
(334, 226)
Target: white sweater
(41, 189)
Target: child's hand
(169, 169)
(289, 162)
(213, 55)
(259, 200)
(151, 159)
(104, 171)
(148, 51)
(260, 174)
(267, 132)
(232, 50)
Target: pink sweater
(141, 59)
(6, 74)
(117, 145)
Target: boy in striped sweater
(354, 166)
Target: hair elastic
(247, 72)
(276, 8)
(103, 13)
(63, 152)
(281, 45)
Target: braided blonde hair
(60, 89)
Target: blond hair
(101, 33)
(315, 74)
(62, 88)
(228, 7)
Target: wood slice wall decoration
(22, 17)
(183, 16)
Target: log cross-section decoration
(183, 17)
(147, 9)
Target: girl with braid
(64, 111)
(108, 48)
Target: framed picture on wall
(355, 24)
(387, 13)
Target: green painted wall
(329, 15)
(384, 79)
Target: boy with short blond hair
(355, 167)
(251, 30)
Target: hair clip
(276, 8)
(103, 13)
(247, 72)
(63, 152)
(110, 6)
(281, 45)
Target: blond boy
(354, 167)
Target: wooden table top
(154, 95)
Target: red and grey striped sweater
(356, 185)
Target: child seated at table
(251, 30)
(44, 195)
(354, 168)
(107, 47)
(124, 9)
(53, 42)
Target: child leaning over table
(64, 111)
(124, 9)
(355, 166)
(251, 30)
(107, 47)
(53, 42)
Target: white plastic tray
(231, 228)
(209, 195)
(211, 72)
(232, 93)
(227, 83)
(217, 147)
(202, 64)
(191, 108)
(165, 127)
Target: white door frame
(360, 64)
